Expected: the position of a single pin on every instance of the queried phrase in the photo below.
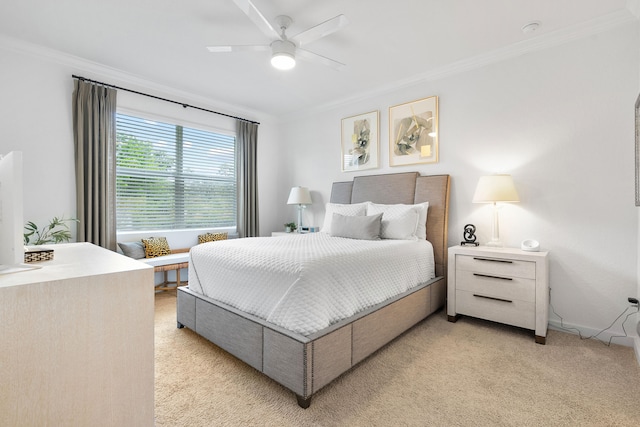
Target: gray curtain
(247, 159)
(94, 135)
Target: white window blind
(173, 177)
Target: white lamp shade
(495, 188)
(299, 196)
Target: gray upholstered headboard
(408, 188)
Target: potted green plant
(290, 227)
(57, 231)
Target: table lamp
(299, 196)
(494, 189)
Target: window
(173, 177)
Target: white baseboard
(629, 341)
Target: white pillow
(356, 209)
(402, 222)
(356, 227)
(422, 208)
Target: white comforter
(305, 283)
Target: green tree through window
(173, 177)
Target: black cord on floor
(607, 343)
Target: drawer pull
(492, 277)
(506, 261)
(493, 298)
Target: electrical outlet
(633, 300)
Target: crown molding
(631, 13)
(542, 42)
(97, 71)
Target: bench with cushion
(176, 260)
(156, 252)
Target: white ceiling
(384, 44)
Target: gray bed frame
(305, 364)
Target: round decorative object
(469, 235)
(530, 245)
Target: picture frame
(413, 132)
(637, 142)
(360, 142)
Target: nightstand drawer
(515, 312)
(496, 266)
(503, 287)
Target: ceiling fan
(284, 49)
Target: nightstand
(503, 285)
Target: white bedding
(305, 283)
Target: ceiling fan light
(283, 55)
(283, 61)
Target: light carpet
(469, 373)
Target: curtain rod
(84, 79)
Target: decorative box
(36, 253)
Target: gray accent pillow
(133, 250)
(356, 227)
(355, 209)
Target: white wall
(561, 122)
(35, 116)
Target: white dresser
(76, 341)
(504, 285)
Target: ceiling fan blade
(222, 49)
(258, 18)
(321, 30)
(314, 57)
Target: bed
(306, 360)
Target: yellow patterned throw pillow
(155, 247)
(211, 237)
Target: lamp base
(495, 244)
(495, 229)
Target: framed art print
(360, 141)
(413, 132)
